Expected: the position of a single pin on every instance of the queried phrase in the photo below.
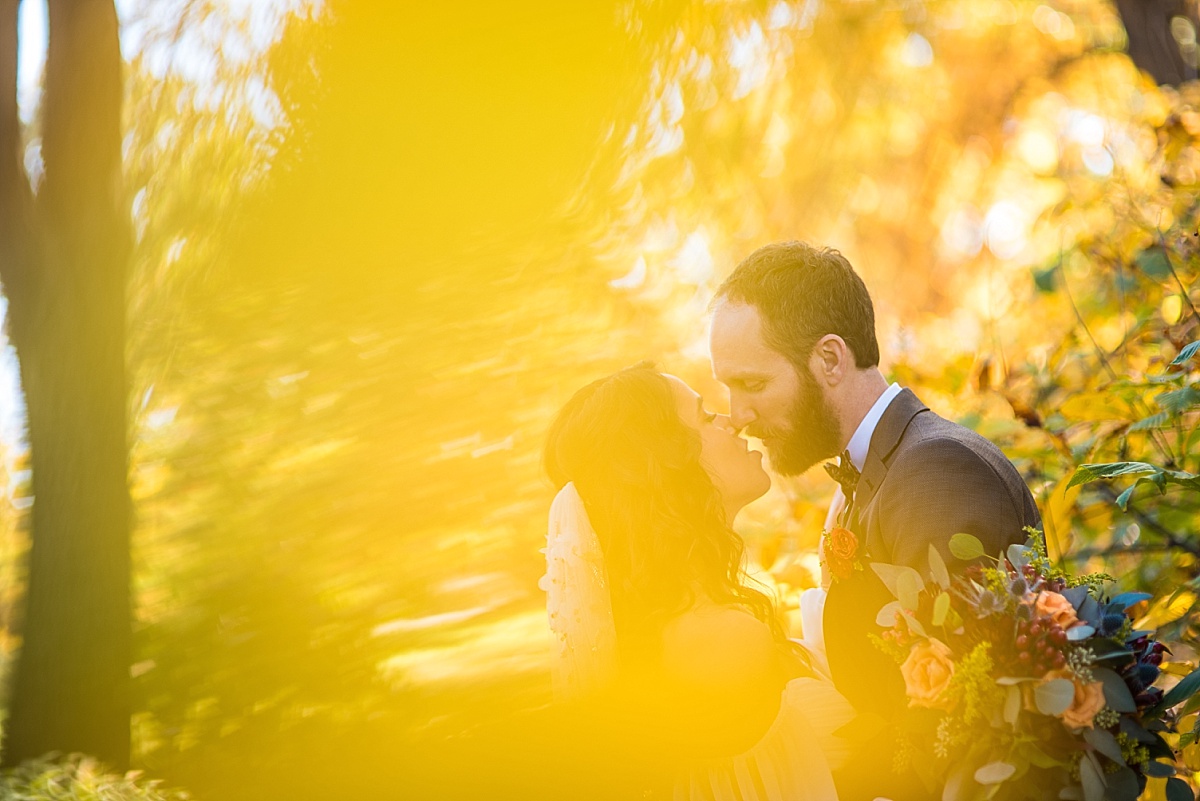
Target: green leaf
(1148, 472)
(1187, 353)
(1128, 599)
(886, 616)
(1153, 421)
(908, 589)
(941, 606)
(1018, 556)
(1054, 697)
(1178, 401)
(1012, 705)
(1123, 498)
(1116, 691)
(1178, 790)
(890, 576)
(1181, 692)
(1105, 743)
(1122, 786)
(1159, 770)
(966, 547)
(1093, 472)
(1153, 262)
(995, 772)
(1091, 775)
(937, 568)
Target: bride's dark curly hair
(659, 518)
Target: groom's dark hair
(802, 294)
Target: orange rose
(1088, 700)
(841, 551)
(927, 673)
(1057, 608)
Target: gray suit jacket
(925, 479)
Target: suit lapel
(899, 413)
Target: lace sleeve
(577, 600)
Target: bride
(650, 607)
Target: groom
(793, 338)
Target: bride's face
(736, 470)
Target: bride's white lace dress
(791, 761)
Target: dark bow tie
(844, 473)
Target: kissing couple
(681, 660)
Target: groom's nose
(740, 413)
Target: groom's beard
(814, 434)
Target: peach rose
(841, 551)
(1057, 608)
(927, 673)
(1088, 700)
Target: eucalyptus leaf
(1076, 595)
(1105, 743)
(1159, 770)
(1012, 705)
(966, 547)
(1018, 556)
(1080, 632)
(1089, 612)
(1123, 499)
(995, 772)
(1178, 790)
(937, 568)
(1091, 776)
(1054, 697)
(941, 605)
(1116, 691)
(890, 575)
(1131, 728)
(1122, 786)
(1128, 599)
(908, 589)
(1072, 793)
(886, 616)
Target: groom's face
(770, 397)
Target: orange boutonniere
(839, 552)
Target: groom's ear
(831, 360)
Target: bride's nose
(723, 422)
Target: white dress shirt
(860, 443)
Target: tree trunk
(63, 261)
(1152, 45)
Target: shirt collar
(860, 443)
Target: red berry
(1023, 657)
(1035, 629)
(1022, 640)
(1060, 659)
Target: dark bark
(1152, 46)
(63, 261)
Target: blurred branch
(1183, 291)
(1163, 450)
(15, 194)
(1173, 540)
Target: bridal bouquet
(1027, 683)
